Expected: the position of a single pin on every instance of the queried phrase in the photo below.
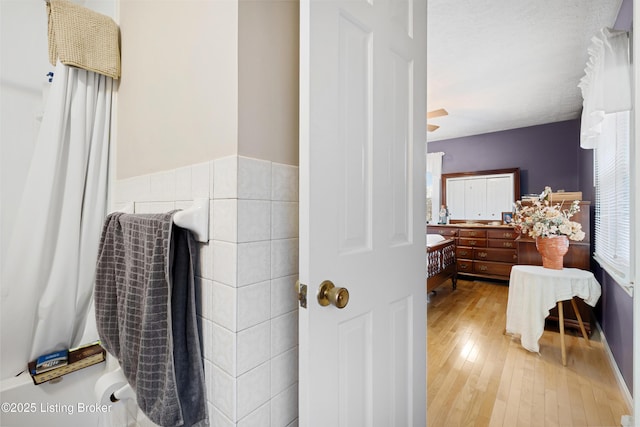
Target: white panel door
(499, 196)
(362, 201)
(475, 198)
(455, 198)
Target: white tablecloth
(534, 290)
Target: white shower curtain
(47, 280)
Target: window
(605, 127)
(434, 173)
(612, 181)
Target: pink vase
(552, 250)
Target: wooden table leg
(561, 318)
(584, 331)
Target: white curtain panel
(606, 85)
(434, 174)
(47, 282)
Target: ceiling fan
(432, 115)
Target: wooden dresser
(486, 251)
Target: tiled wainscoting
(247, 273)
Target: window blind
(612, 181)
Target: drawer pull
(464, 266)
(515, 256)
(482, 254)
(473, 242)
(507, 235)
(483, 268)
(472, 233)
(507, 244)
(462, 253)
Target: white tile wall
(254, 261)
(224, 388)
(254, 179)
(225, 228)
(254, 389)
(254, 304)
(284, 185)
(253, 347)
(282, 299)
(254, 220)
(218, 419)
(183, 177)
(284, 220)
(284, 407)
(258, 418)
(224, 307)
(284, 333)
(163, 186)
(224, 261)
(224, 345)
(246, 275)
(284, 257)
(284, 371)
(225, 178)
(202, 179)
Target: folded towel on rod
(146, 314)
(82, 38)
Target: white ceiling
(504, 64)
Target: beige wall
(204, 79)
(177, 100)
(268, 45)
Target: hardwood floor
(478, 376)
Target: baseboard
(614, 365)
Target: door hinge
(302, 293)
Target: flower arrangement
(543, 219)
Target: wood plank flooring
(478, 376)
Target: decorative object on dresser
(549, 224)
(552, 250)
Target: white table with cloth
(535, 290)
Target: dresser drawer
(464, 252)
(469, 241)
(494, 243)
(492, 268)
(502, 234)
(443, 231)
(464, 266)
(492, 254)
(473, 233)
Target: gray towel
(146, 315)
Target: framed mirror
(480, 196)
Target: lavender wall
(625, 16)
(546, 155)
(616, 319)
(550, 154)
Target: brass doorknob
(328, 293)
